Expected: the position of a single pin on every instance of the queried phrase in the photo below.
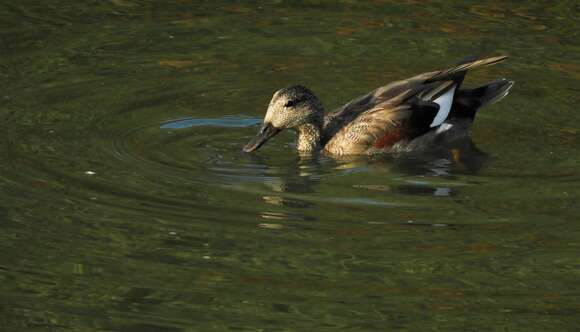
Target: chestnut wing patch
(390, 137)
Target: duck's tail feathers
(463, 66)
(493, 91)
(468, 101)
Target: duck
(417, 114)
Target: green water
(127, 205)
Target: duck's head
(289, 108)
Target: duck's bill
(266, 132)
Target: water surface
(126, 203)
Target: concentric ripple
(209, 151)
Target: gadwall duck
(415, 114)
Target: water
(127, 205)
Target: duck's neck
(309, 137)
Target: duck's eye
(292, 103)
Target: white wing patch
(444, 101)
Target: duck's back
(370, 121)
(401, 111)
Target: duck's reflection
(299, 177)
(459, 157)
(288, 180)
(298, 174)
(301, 174)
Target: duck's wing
(381, 127)
(400, 110)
